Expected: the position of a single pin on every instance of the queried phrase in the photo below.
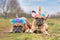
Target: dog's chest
(39, 27)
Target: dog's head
(39, 21)
(18, 25)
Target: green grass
(54, 31)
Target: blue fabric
(43, 14)
(21, 20)
(13, 21)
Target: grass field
(54, 31)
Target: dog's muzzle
(39, 22)
(17, 29)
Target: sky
(49, 6)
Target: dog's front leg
(45, 32)
(11, 29)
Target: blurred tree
(56, 15)
(10, 8)
(3, 6)
(14, 8)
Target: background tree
(10, 8)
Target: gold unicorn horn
(39, 8)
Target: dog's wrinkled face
(17, 27)
(39, 21)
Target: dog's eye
(42, 18)
(36, 18)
